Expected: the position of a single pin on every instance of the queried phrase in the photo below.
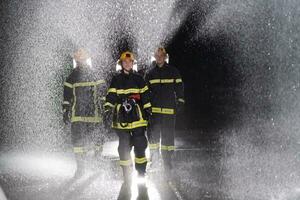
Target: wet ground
(42, 175)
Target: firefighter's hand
(148, 113)
(66, 117)
(180, 107)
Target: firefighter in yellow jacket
(128, 100)
(82, 108)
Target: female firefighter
(128, 101)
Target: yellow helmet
(127, 54)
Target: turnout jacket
(125, 87)
(166, 88)
(83, 95)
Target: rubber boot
(155, 161)
(127, 174)
(80, 161)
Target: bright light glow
(88, 61)
(39, 164)
(153, 59)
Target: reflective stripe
(144, 89)
(130, 125)
(66, 103)
(86, 84)
(112, 90)
(95, 118)
(125, 162)
(179, 80)
(79, 150)
(109, 104)
(153, 81)
(68, 84)
(154, 146)
(181, 100)
(147, 105)
(141, 160)
(167, 148)
(86, 119)
(168, 111)
(128, 91)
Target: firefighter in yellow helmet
(128, 99)
(82, 108)
(167, 97)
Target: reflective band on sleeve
(79, 150)
(86, 119)
(144, 89)
(66, 103)
(125, 162)
(141, 160)
(112, 90)
(153, 81)
(181, 100)
(68, 85)
(147, 105)
(167, 148)
(85, 84)
(168, 111)
(179, 80)
(109, 104)
(154, 146)
(167, 80)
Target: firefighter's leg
(77, 130)
(139, 141)
(153, 134)
(124, 154)
(167, 140)
(97, 141)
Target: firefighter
(81, 106)
(128, 101)
(167, 97)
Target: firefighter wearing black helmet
(128, 101)
(167, 97)
(82, 108)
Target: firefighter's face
(127, 64)
(160, 57)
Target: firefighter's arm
(147, 79)
(179, 88)
(111, 97)
(145, 95)
(68, 98)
